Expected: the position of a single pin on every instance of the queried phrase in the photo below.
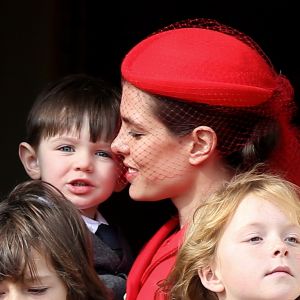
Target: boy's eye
(103, 154)
(66, 149)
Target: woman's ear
(211, 280)
(29, 160)
(204, 143)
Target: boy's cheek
(121, 181)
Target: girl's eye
(292, 240)
(66, 149)
(37, 291)
(103, 154)
(255, 239)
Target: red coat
(154, 263)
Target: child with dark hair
(69, 132)
(45, 250)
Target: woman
(200, 102)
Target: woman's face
(157, 161)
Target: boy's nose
(84, 162)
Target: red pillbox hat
(200, 65)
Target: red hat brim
(200, 65)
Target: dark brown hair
(63, 105)
(36, 216)
(246, 136)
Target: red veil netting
(220, 77)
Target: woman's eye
(103, 154)
(66, 149)
(135, 134)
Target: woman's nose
(119, 145)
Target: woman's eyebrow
(130, 121)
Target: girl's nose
(280, 249)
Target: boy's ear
(29, 160)
(203, 144)
(211, 280)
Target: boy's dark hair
(63, 105)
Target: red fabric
(220, 69)
(154, 262)
(200, 65)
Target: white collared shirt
(93, 224)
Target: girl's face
(46, 286)
(258, 256)
(157, 161)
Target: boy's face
(85, 172)
(258, 256)
(47, 285)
